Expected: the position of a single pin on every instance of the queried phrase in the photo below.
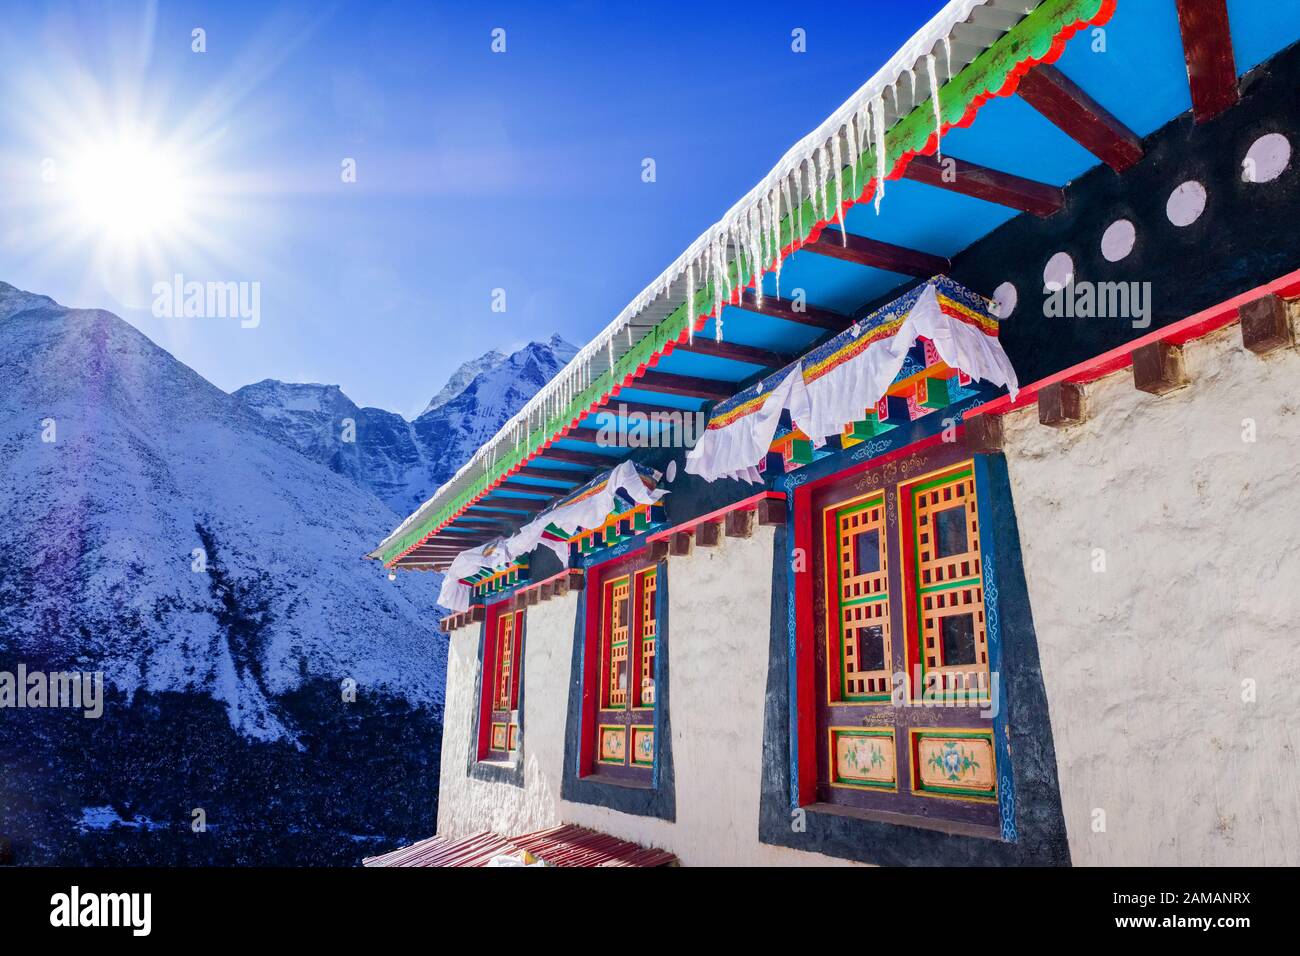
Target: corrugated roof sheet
(564, 845)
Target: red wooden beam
(513, 504)
(1207, 48)
(807, 315)
(578, 433)
(879, 255)
(689, 385)
(1080, 117)
(554, 474)
(736, 352)
(579, 457)
(1178, 333)
(532, 489)
(991, 185)
(499, 506)
(616, 406)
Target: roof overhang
(812, 225)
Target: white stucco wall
(1144, 662)
(719, 627)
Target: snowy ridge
(402, 462)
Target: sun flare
(128, 189)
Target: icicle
(609, 345)
(720, 286)
(851, 133)
(690, 301)
(795, 237)
(819, 183)
(932, 73)
(774, 210)
(911, 89)
(836, 160)
(799, 197)
(947, 52)
(878, 129)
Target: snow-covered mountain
(373, 448)
(120, 466)
(461, 378)
(156, 529)
(403, 462)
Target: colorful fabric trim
(587, 507)
(834, 384)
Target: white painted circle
(1266, 159)
(1004, 300)
(1118, 239)
(1186, 203)
(1059, 272)
(671, 471)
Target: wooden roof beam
(579, 457)
(615, 406)
(554, 474)
(1207, 48)
(530, 489)
(580, 433)
(991, 185)
(879, 255)
(812, 315)
(691, 386)
(528, 507)
(735, 352)
(1080, 117)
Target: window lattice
(620, 600)
(951, 583)
(864, 625)
(505, 657)
(648, 579)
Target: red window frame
(620, 717)
(828, 720)
(498, 725)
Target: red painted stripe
(1185, 330)
(746, 504)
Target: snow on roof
(751, 227)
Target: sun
(127, 189)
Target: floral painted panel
(959, 764)
(863, 758)
(613, 744)
(499, 737)
(643, 746)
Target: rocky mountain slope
(403, 463)
(154, 528)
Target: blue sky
(474, 170)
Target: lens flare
(128, 189)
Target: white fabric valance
(836, 383)
(588, 507)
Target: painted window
(502, 663)
(903, 662)
(626, 632)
